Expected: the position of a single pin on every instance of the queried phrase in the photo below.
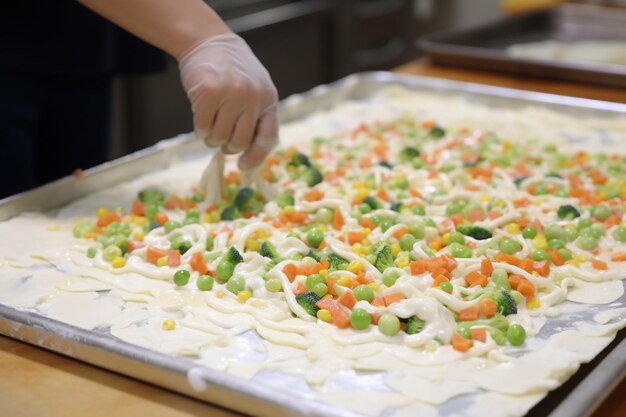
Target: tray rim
(44, 332)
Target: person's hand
(233, 98)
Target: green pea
(586, 243)
(510, 246)
(556, 243)
(320, 289)
(204, 282)
(454, 208)
(224, 270)
(364, 292)
(313, 280)
(601, 212)
(360, 319)
(364, 208)
(619, 234)
(407, 241)
(419, 210)
(464, 331)
(566, 254)
(151, 210)
(516, 334)
(388, 324)
(273, 285)
(584, 223)
(209, 242)
(181, 277)
(111, 252)
(324, 216)
(402, 183)
(501, 278)
(386, 224)
(570, 233)
(552, 231)
(497, 335)
(517, 296)
(418, 230)
(446, 287)
(376, 219)
(562, 193)
(236, 284)
(356, 214)
(529, 232)
(315, 237)
(539, 255)
(92, 251)
(171, 225)
(460, 251)
(456, 237)
(192, 214)
(81, 229)
(390, 276)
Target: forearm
(174, 26)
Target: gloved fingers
(204, 109)
(265, 139)
(224, 123)
(243, 132)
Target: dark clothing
(57, 62)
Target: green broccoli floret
(384, 258)
(314, 253)
(373, 202)
(437, 132)
(408, 154)
(567, 212)
(414, 325)
(285, 199)
(505, 303)
(307, 301)
(246, 200)
(312, 177)
(233, 256)
(269, 251)
(396, 206)
(497, 322)
(300, 159)
(336, 262)
(477, 232)
(151, 196)
(519, 180)
(230, 213)
(385, 164)
(181, 246)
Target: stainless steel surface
(102, 349)
(485, 46)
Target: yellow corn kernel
(402, 262)
(533, 304)
(244, 296)
(485, 198)
(89, 235)
(289, 210)
(356, 247)
(252, 245)
(139, 220)
(138, 235)
(118, 262)
(53, 228)
(395, 249)
(355, 267)
(535, 274)
(323, 227)
(168, 324)
(540, 242)
(324, 315)
(374, 286)
(362, 193)
(207, 217)
(445, 238)
(513, 228)
(162, 261)
(343, 281)
(435, 244)
(220, 294)
(359, 184)
(366, 231)
(580, 258)
(101, 212)
(215, 216)
(324, 273)
(263, 234)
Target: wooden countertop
(35, 382)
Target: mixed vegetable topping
(406, 229)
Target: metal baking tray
(485, 46)
(576, 398)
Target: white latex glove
(233, 98)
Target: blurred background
(303, 43)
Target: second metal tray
(484, 47)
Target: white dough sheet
(43, 268)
